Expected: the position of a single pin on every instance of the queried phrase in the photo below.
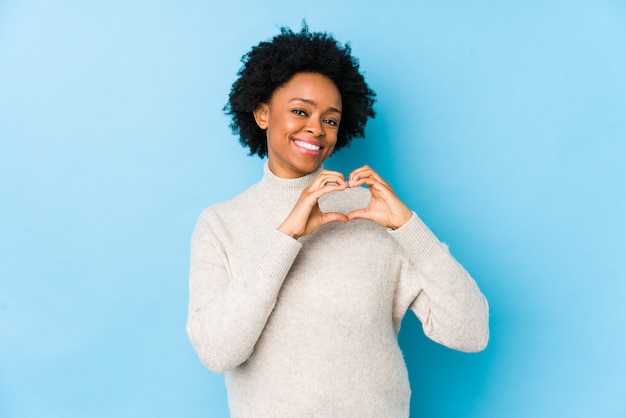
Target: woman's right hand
(306, 216)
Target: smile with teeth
(306, 145)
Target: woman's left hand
(385, 208)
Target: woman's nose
(314, 127)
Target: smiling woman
(301, 121)
(298, 285)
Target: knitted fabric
(308, 327)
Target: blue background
(502, 123)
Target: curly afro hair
(271, 64)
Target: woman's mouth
(307, 147)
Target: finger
(328, 175)
(327, 180)
(328, 217)
(363, 171)
(359, 214)
(376, 185)
(327, 187)
(310, 196)
(332, 182)
(358, 176)
(325, 184)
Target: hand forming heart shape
(385, 208)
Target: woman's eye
(331, 122)
(299, 112)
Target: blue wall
(502, 124)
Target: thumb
(358, 214)
(329, 217)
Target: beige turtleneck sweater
(308, 327)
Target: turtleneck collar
(283, 188)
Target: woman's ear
(261, 115)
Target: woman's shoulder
(226, 208)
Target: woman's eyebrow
(314, 103)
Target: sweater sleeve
(447, 301)
(228, 314)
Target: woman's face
(301, 122)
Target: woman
(298, 286)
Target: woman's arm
(228, 314)
(452, 309)
(433, 284)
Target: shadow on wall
(437, 372)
